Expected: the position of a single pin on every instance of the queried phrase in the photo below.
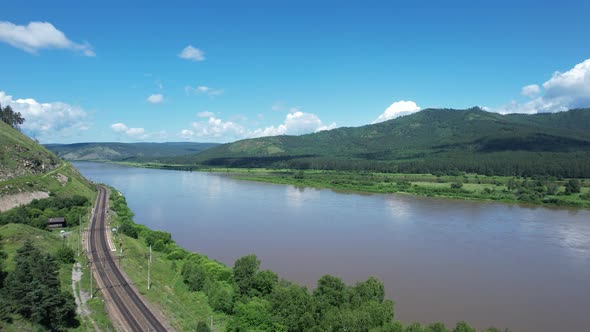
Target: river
(524, 268)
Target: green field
(473, 187)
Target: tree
(33, 290)
(13, 119)
(573, 186)
(265, 281)
(255, 315)
(292, 304)
(245, 269)
(221, 296)
(330, 292)
(194, 275)
(463, 327)
(437, 327)
(456, 185)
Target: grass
(15, 235)
(183, 308)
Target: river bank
(537, 191)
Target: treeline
(10, 117)
(32, 291)
(258, 300)
(39, 211)
(522, 164)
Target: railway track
(127, 307)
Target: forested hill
(433, 140)
(136, 152)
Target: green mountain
(136, 152)
(433, 140)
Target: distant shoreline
(526, 191)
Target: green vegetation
(126, 152)
(431, 141)
(537, 190)
(191, 288)
(10, 117)
(32, 290)
(38, 212)
(37, 294)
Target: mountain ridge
(471, 140)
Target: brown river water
(510, 266)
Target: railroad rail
(128, 307)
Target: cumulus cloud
(563, 91)
(214, 128)
(296, 123)
(136, 133)
(47, 120)
(203, 90)
(155, 98)
(397, 109)
(39, 35)
(191, 53)
(530, 90)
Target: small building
(54, 223)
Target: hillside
(433, 140)
(29, 171)
(133, 152)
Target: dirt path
(81, 297)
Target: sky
(220, 71)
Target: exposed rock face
(20, 161)
(8, 202)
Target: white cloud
(155, 98)
(397, 109)
(134, 133)
(191, 53)
(203, 90)
(47, 120)
(205, 114)
(216, 127)
(563, 91)
(530, 90)
(187, 134)
(296, 123)
(39, 35)
(119, 127)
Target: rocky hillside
(29, 171)
(20, 155)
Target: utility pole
(149, 266)
(91, 293)
(211, 324)
(79, 234)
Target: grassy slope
(17, 149)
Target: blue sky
(114, 72)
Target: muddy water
(524, 268)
